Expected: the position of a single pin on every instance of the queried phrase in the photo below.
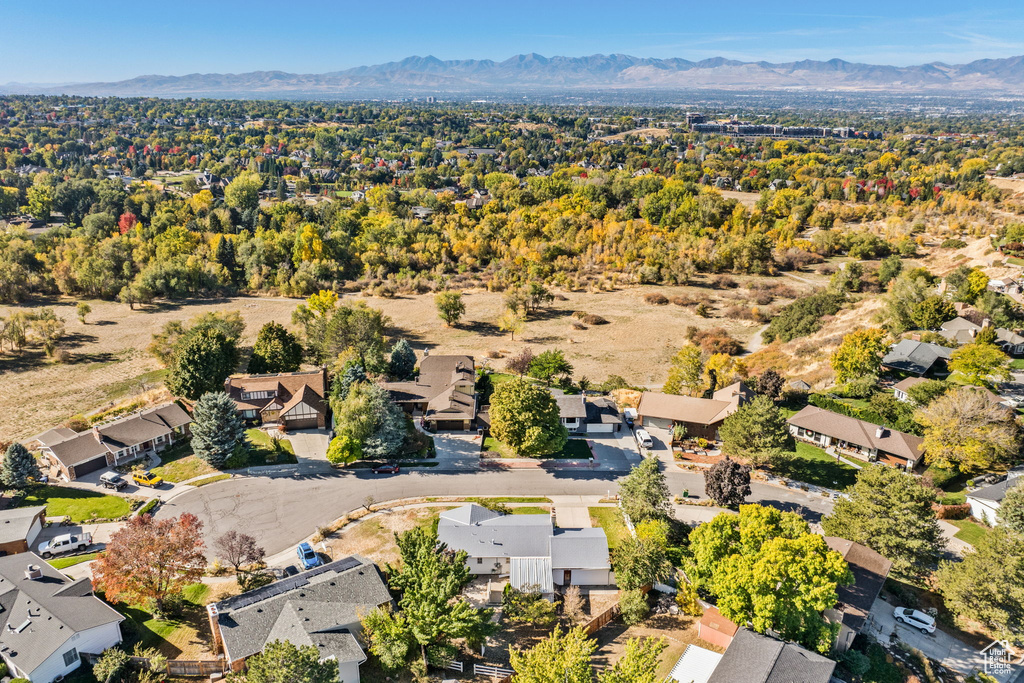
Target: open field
(374, 538)
(109, 358)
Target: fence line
(493, 671)
(186, 667)
(454, 666)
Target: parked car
(644, 439)
(147, 478)
(390, 468)
(112, 480)
(912, 617)
(631, 415)
(307, 556)
(66, 543)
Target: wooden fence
(186, 667)
(601, 620)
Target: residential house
(701, 417)
(963, 331)
(19, 528)
(572, 411)
(322, 607)
(293, 400)
(582, 415)
(716, 629)
(901, 388)
(48, 621)
(527, 548)
(869, 570)
(122, 440)
(985, 502)
(755, 657)
(917, 358)
(1005, 285)
(443, 395)
(857, 438)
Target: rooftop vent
(33, 572)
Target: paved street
(281, 510)
(939, 645)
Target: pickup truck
(66, 543)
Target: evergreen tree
(18, 467)
(342, 384)
(217, 429)
(282, 662)
(225, 254)
(402, 364)
(281, 190)
(757, 432)
(276, 350)
(891, 513)
(200, 363)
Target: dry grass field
(109, 360)
(374, 538)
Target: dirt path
(756, 342)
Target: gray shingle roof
(915, 357)
(754, 658)
(15, 523)
(320, 607)
(498, 536)
(859, 432)
(570, 406)
(52, 610)
(869, 569)
(579, 549)
(996, 492)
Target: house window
(250, 395)
(479, 560)
(70, 657)
(249, 413)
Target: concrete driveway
(457, 451)
(940, 646)
(617, 451)
(310, 445)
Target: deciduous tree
(148, 560)
(644, 492)
(686, 373)
(276, 350)
(639, 664)
(727, 482)
(525, 417)
(241, 551)
(550, 364)
(1011, 510)
(200, 363)
(859, 354)
(450, 307)
(520, 363)
(982, 364)
(964, 429)
(562, 657)
(512, 322)
(891, 513)
(244, 191)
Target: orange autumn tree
(149, 560)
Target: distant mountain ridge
(536, 73)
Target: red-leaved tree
(127, 221)
(149, 560)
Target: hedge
(962, 511)
(822, 401)
(148, 507)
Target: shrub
(723, 282)
(855, 662)
(494, 354)
(633, 607)
(684, 300)
(149, 506)
(238, 459)
(527, 606)
(656, 298)
(962, 511)
(703, 310)
(953, 243)
(592, 319)
(802, 317)
(577, 325)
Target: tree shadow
(102, 323)
(20, 361)
(76, 339)
(87, 358)
(481, 328)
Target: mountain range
(533, 73)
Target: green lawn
(178, 464)
(529, 510)
(970, 532)
(610, 519)
(263, 450)
(167, 635)
(507, 499)
(80, 505)
(574, 449)
(1017, 364)
(812, 465)
(64, 562)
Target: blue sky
(72, 40)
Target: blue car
(307, 556)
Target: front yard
(178, 464)
(610, 519)
(812, 465)
(970, 532)
(574, 449)
(677, 630)
(80, 505)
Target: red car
(390, 468)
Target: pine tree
(644, 493)
(342, 384)
(403, 361)
(18, 467)
(217, 429)
(225, 254)
(276, 350)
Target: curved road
(280, 511)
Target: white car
(644, 439)
(915, 618)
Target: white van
(644, 439)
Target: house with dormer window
(292, 400)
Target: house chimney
(96, 434)
(33, 572)
(986, 322)
(214, 617)
(426, 352)
(880, 432)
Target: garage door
(657, 423)
(600, 428)
(305, 423)
(88, 466)
(450, 425)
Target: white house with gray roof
(527, 548)
(322, 607)
(48, 621)
(985, 502)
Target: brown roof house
(855, 600)
(293, 400)
(19, 528)
(443, 395)
(715, 628)
(701, 416)
(122, 440)
(857, 438)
